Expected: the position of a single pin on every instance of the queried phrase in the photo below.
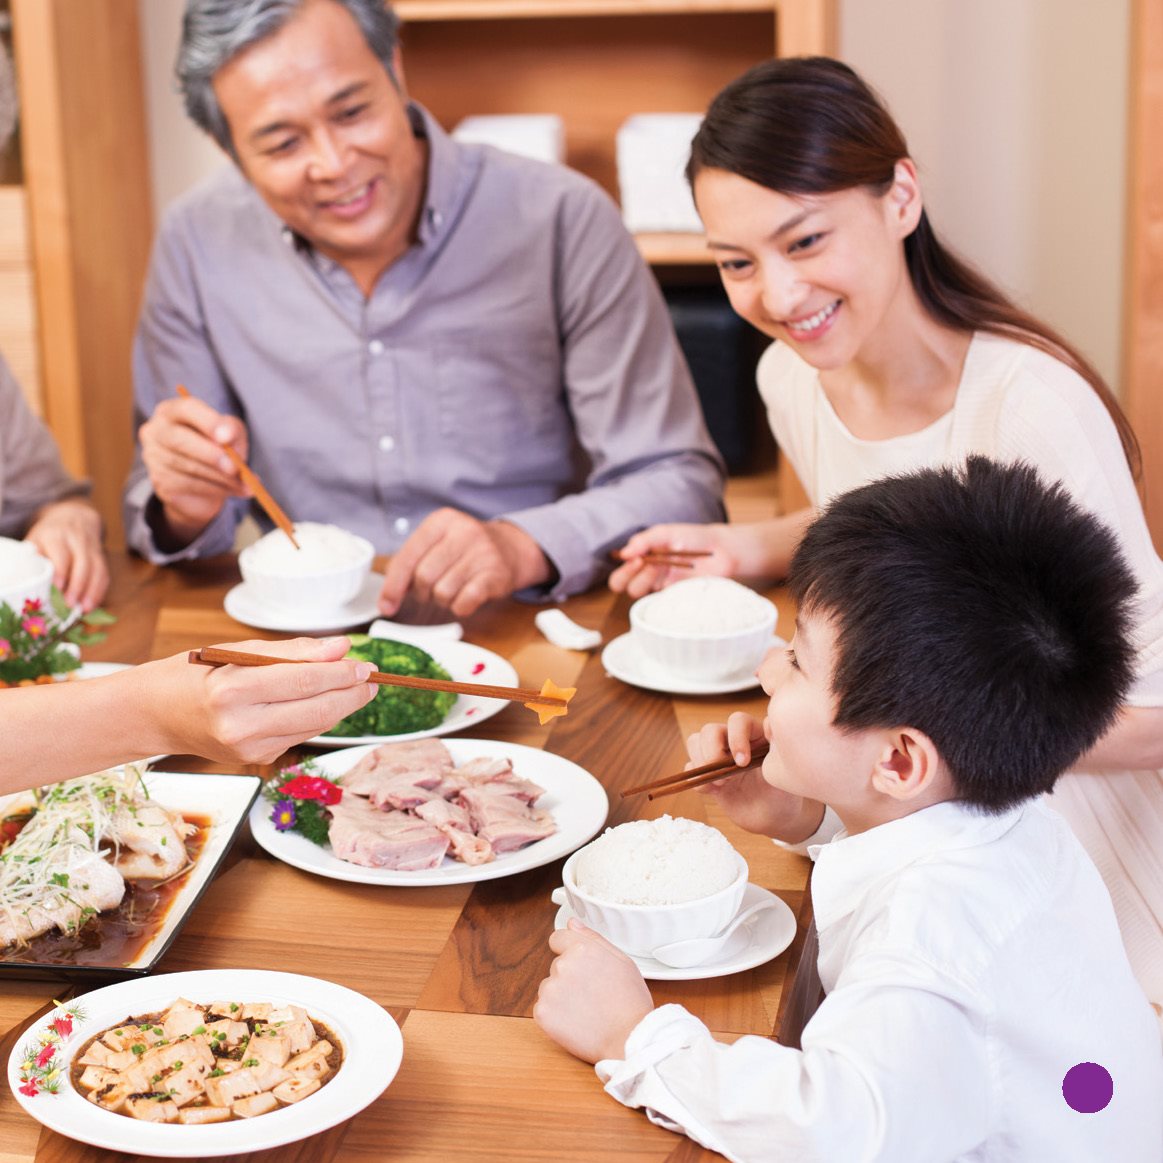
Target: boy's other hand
(593, 997)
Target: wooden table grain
(457, 966)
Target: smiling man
(455, 352)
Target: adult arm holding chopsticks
(232, 714)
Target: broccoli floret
(397, 710)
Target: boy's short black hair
(981, 606)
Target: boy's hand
(593, 997)
(748, 799)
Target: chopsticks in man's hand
(549, 702)
(270, 506)
(672, 784)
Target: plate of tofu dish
(428, 812)
(98, 874)
(205, 1063)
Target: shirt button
(386, 444)
(376, 347)
(400, 525)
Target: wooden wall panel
(1143, 344)
(86, 176)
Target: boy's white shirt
(970, 961)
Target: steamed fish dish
(84, 839)
(207, 1063)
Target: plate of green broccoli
(398, 713)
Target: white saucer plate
(624, 661)
(243, 606)
(755, 943)
(372, 1051)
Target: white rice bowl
(656, 862)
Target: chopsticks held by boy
(962, 639)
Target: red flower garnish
(32, 606)
(30, 1088)
(312, 787)
(45, 1056)
(63, 1026)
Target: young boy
(961, 640)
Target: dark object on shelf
(722, 351)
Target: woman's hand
(636, 578)
(593, 997)
(68, 533)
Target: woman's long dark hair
(810, 125)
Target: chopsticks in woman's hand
(549, 702)
(676, 558)
(672, 784)
(270, 506)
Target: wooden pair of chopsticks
(678, 558)
(672, 784)
(270, 506)
(548, 702)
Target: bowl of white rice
(704, 628)
(649, 882)
(325, 572)
(24, 573)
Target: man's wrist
(169, 536)
(527, 560)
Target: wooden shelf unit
(594, 63)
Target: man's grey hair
(216, 31)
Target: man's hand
(593, 997)
(190, 474)
(68, 533)
(460, 563)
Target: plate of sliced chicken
(449, 811)
(98, 874)
(205, 1063)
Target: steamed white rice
(321, 548)
(656, 862)
(705, 605)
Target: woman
(894, 354)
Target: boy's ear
(907, 765)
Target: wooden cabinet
(596, 62)
(75, 229)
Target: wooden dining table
(456, 966)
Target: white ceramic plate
(755, 944)
(243, 606)
(466, 663)
(623, 660)
(578, 803)
(224, 800)
(372, 1051)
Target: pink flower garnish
(45, 1056)
(30, 1088)
(63, 1026)
(478, 668)
(33, 626)
(312, 787)
(5, 648)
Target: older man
(451, 350)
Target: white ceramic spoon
(697, 950)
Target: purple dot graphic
(1087, 1087)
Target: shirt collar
(849, 866)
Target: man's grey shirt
(517, 361)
